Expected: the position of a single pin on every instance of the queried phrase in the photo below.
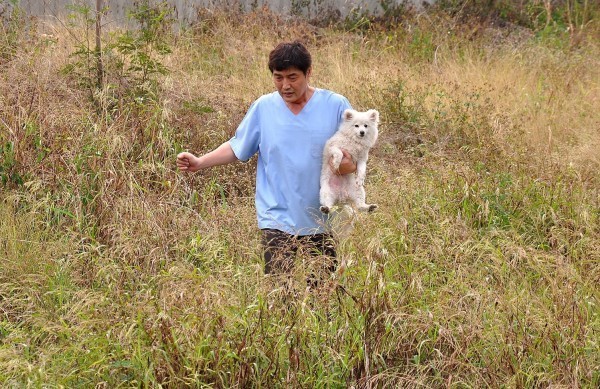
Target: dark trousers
(280, 250)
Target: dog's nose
(362, 133)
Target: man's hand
(347, 165)
(188, 162)
(222, 155)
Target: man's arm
(220, 156)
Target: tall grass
(481, 269)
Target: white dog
(357, 134)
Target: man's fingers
(183, 157)
(183, 163)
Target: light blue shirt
(290, 149)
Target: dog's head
(361, 126)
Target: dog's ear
(373, 115)
(348, 114)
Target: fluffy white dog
(357, 134)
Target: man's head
(290, 64)
(290, 55)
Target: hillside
(480, 268)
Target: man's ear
(308, 72)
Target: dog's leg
(326, 194)
(359, 201)
(336, 158)
(360, 195)
(361, 173)
(358, 198)
(327, 198)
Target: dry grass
(480, 270)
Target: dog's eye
(356, 125)
(365, 125)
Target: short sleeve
(247, 136)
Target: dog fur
(357, 134)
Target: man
(288, 128)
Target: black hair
(290, 54)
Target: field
(480, 268)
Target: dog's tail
(342, 221)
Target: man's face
(291, 84)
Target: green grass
(480, 269)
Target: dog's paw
(372, 207)
(324, 209)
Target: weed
(85, 66)
(481, 269)
(12, 22)
(9, 170)
(131, 60)
(140, 48)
